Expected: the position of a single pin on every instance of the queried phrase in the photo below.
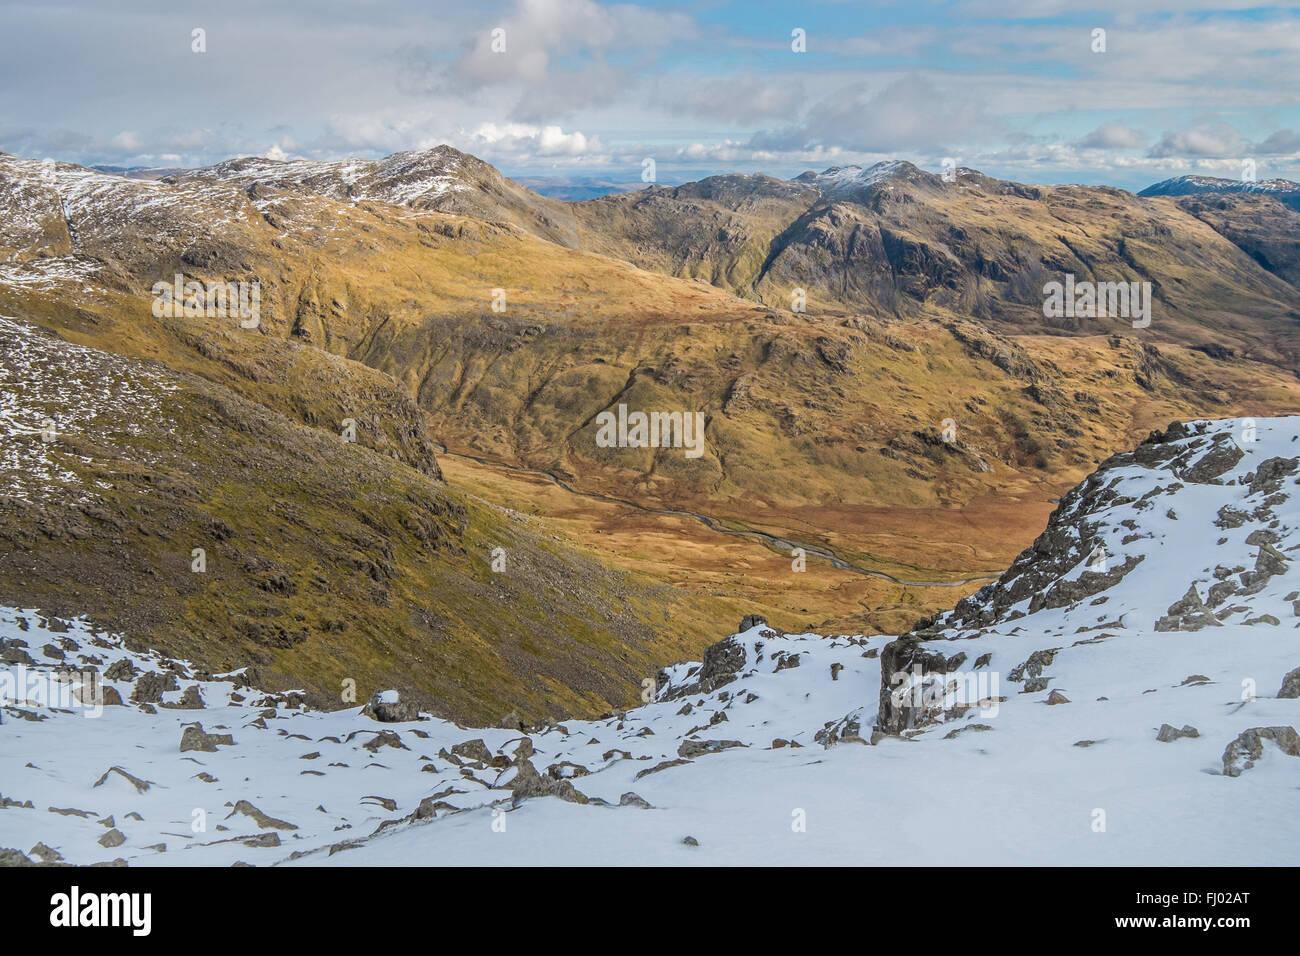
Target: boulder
(1169, 733)
(1188, 613)
(1290, 689)
(193, 738)
(1243, 752)
(387, 707)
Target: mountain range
(868, 347)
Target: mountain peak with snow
(1282, 189)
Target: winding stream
(772, 541)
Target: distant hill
(1283, 190)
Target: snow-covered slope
(1126, 693)
(412, 178)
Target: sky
(579, 89)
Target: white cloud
(1210, 140)
(1112, 136)
(126, 141)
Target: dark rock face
(1205, 468)
(907, 655)
(1065, 593)
(121, 669)
(1242, 753)
(477, 750)
(1290, 689)
(1268, 476)
(1268, 562)
(1036, 573)
(1169, 733)
(1036, 580)
(150, 687)
(752, 620)
(722, 664)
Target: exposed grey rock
(722, 663)
(120, 669)
(965, 727)
(1188, 613)
(1243, 752)
(1290, 689)
(150, 687)
(1220, 592)
(664, 765)
(390, 712)
(528, 783)
(1270, 473)
(45, 854)
(262, 840)
(1230, 517)
(385, 738)
(191, 699)
(908, 655)
(1264, 619)
(1268, 562)
(848, 728)
(477, 750)
(1033, 665)
(1262, 536)
(140, 785)
(193, 738)
(631, 799)
(263, 821)
(1169, 733)
(1205, 468)
(690, 749)
(112, 838)
(787, 661)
